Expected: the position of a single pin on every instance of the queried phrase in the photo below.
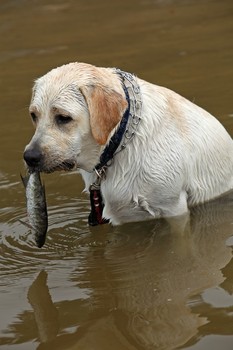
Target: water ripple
(17, 244)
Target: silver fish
(36, 206)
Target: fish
(36, 206)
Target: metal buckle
(101, 173)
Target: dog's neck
(122, 135)
(127, 128)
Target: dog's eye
(34, 117)
(63, 119)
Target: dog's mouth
(66, 165)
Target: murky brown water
(137, 286)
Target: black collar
(126, 130)
(110, 149)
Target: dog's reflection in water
(140, 289)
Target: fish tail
(24, 180)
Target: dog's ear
(106, 108)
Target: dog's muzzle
(35, 160)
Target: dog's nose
(32, 157)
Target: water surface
(141, 286)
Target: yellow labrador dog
(143, 150)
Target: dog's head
(74, 109)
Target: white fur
(181, 155)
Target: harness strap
(95, 217)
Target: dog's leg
(178, 207)
(178, 214)
(179, 224)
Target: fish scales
(36, 206)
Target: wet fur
(180, 157)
